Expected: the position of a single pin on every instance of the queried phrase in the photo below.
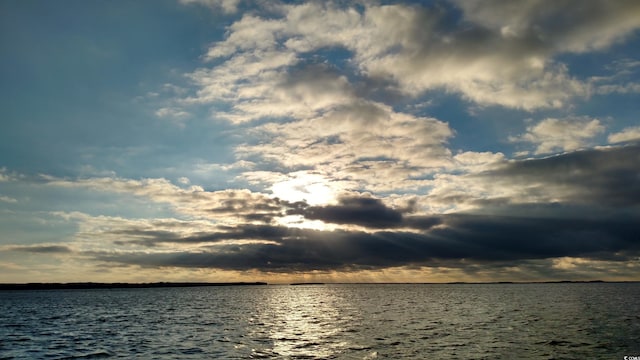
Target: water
(513, 321)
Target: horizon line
(163, 284)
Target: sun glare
(301, 186)
(315, 190)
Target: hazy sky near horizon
(231, 140)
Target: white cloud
(479, 64)
(227, 6)
(560, 26)
(567, 134)
(319, 116)
(628, 134)
(478, 161)
(8, 199)
(225, 206)
(6, 176)
(246, 83)
(498, 60)
(364, 142)
(172, 113)
(176, 115)
(628, 88)
(622, 79)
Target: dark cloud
(608, 176)
(243, 232)
(149, 238)
(594, 217)
(460, 241)
(248, 207)
(42, 249)
(368, 212)
(562, 25)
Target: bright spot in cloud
(298, 221)
(312, 188)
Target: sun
(314, 189)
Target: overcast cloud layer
(331, 141)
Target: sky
(334, 141)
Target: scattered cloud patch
(553, 135)
(8, 199)
(227, 6)
(626, 135)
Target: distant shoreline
(306, 283)
(93, 285)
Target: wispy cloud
(40, 248)
(227, 6)
(8, 199)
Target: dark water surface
(465, 321)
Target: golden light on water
(293, 320)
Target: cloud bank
(464, 137)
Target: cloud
(320, 81)
(8, 199)
(590, 182)
(40, 248)
(504, 56)
(418, 48)
(227, 6)
(6, 176)
(363, 211)
(628, 88)
(343, 159)
(587, 181)
(622, 79)
(563, 26)
(477, 161)
(258, 70)
(249, 84)
(551, 134)
(231, 205)
(595, 177)
(631, 133)
(172, 113)
(566, 206)
(364, 142)
(461, 241)
(528, 218)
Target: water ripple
(533, 321)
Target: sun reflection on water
(301, 322)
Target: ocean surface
(454, 321)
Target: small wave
(307, 345)
(372, 355)
(92, 355)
